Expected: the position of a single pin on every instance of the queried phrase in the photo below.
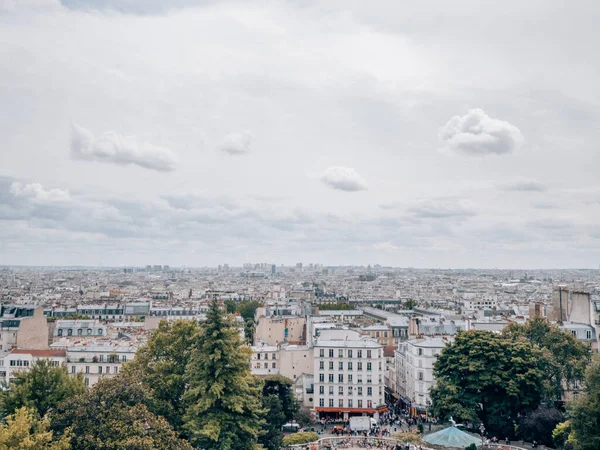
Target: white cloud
(116, 148)
(22, 5)
(36, 192)
(476, 133)
(236, 143)
(343, 179)
(441, 209)
(524, 186)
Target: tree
(300, 438)
(567, 356)
(114, 415)
(161, 364)
(24, 431)
(584, 412)
(224, 399)
(485, 377)
(409, 304)
(539, 424)
(231, 306)
(247, 308)
(42, 387)
(280, 407)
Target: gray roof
(452, 437)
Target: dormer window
(100, 332)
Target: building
(18, 360)
(264, 360)
(23, 326)
(276, 329)
(348, 375)
(414, 370)
(78, 328)
(295, 360)
(381, 333)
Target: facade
(295, 361)
(381, 333)
(23, 326)
(348, 375)
(21, 359)
(276, 329)
(79, 328)
(264, 360)
(414, 370)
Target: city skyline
(202, 133)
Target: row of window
(25, 363)
(341, 390)
(359, 403)
(273, 356)
(79, 332)
(100, 369)
(340, 378)
(349, 366)
(266, 365)
(350, 353)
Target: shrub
(304, 437)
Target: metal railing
(376, 442)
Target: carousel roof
(451, 437)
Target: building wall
(580, 308)
(33, 331)
(272, 329)
(293, 362)
(96, 364)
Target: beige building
(23, 326)
(295, 361)
(264, 360)
(277, 329)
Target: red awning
(350, 410)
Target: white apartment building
(96, 359)
(79, 328)
(348, 374)
(414, 369)
(265, 359)
(21, 360)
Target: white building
(79, 328)
(96, 359)
(21, 360)
(348, 374)
(414, 369)
(265, 359)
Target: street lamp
(482, 431)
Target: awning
(349, 410)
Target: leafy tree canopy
(42, 388)
(280, 406)
(24, 431)
(584, 411)
(303, 437)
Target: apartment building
(348, 375)
(79, 328)
(414, 370)
(381, 333)
(18, 360)
(23, 326)
(264, 360)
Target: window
(341, 390)
(349, 365)
(341, 402)
(87, 369)
(101, 358)
(330, 390)
(79, 332)
(368, 353)
(420, 351)
(258, 356)
(369, 390)
(55, 363)
(350, 378)
(274, 365)
(321, 377)
(321, 402)
(359, 379)
(331, 378)
(124, 358)
(385, 334)
(100, 369)
(341, 353)
(588, 334)
(115, 369)
(87, 381)
(331, 353)
(100, 332)
(369, 403)
(350, 403)
(266, 356)
(266, 365)
(274, 356)
(359, 365)
(377, 334)
(322, 354)
(330, 365)
(359, 353)
(379, 365)
(341, 365)
(321, 390)
(420, 376)
(72, 369)
(60, 332)
(340, 378)
(574, 332)
(360, 390)
(359, 403)
(13, 363)
(69, 332)
(369, 380)
(89, 331)
(321, 365)
(368, 366)
(349, 353)
(331, 403)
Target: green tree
(409, 304)
(567, 356)
(225, 410)
(300, 438)
(231, 306)
(280, 407)
(538, 425)
(247, 308)
(160, 365)
(584, 411)
(114, 415)
(42, 387)
(486, 377)
(24, 431)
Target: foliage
(224, 399)
(230, 306)
(539, 424)
(562, 435)
(471, 447)
(42, 387)
(24, 431)
(567, 356)
(161, 364)
(409, 304)
(336, 307)
(304, 417)
(408, 436)
(247, 308)
(485, 377)
(303, 437)
(584, 411)
(280, 407)
(113, 415)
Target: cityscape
(299, 225)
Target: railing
(373, 442)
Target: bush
(471, 447)
(303, 437)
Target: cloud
(236, 143)
(23, 5)
(116, 148)
(343, 179)
(524, 186)
(441, 209)
(36, 192)
(476, 133)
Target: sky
(200, 132)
